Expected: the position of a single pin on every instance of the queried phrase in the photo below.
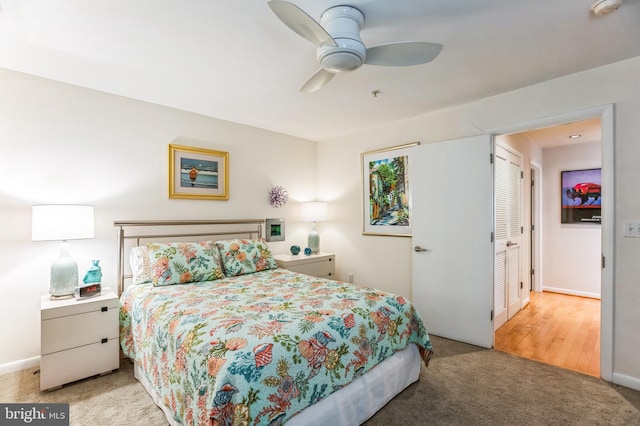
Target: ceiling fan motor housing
(343, 24)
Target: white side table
(319, 264)
(78, 338)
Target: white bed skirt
(351, 405)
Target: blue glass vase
(94, 274)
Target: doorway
(550, 150)
(457, 302)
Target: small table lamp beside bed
(220, 335)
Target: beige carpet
(464, 385)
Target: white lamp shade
(314, 211)
(59, 222)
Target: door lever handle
(418, 248)
(509, 244)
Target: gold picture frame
(198, 173)
(386, 192)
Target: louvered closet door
(508, 235)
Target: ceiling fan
(340, 48)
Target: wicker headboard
(133, 233)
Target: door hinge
(492, 237)
(492, 315)
(521, 174)
(491, 158)
(521, 285)
(532, 182)
(603, 261)
(533, 272)
(533, 227)
(522, 229)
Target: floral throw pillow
(241, 257)
(180, 263)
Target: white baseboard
(11, 367)
(626, 381)
(571, 292)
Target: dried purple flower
(278, 196)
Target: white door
(452, 221)
(508, 235)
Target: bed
(220, 335)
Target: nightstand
(78, 338)
(320, 264)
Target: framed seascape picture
(198, 173)
(386, 191)
(581, 196)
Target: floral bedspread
(259, 348)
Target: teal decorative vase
(294, 250)
(308, 251)
(94, 274)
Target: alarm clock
(89, 290)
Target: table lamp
(62, 222)
(314, 211)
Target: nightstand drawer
(318, 269)
(67, 366)
(61, 308)
(78, 330)
(319, 264)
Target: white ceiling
(234, 60)
(584, 131)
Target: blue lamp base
(64, 275)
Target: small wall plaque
(275, 229)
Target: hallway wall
(570, 252)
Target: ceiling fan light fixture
(341, 61)
(349, 55)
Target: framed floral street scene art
(386, 191)
(198, 173)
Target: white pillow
(140, 265)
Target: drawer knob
(104, 308)
(104, 340)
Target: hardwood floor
(556, 329)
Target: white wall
(64, 144)
(570, 252)
(363, 255)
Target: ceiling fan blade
(403, 53)
(298, 20)
(317, 80)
